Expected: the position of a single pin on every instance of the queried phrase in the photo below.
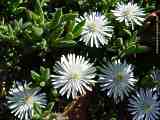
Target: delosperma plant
(78, 60)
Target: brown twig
(69, 107)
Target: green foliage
(63, 29)
(41, 78)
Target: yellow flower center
(93, 27)
(28, 100)
(76, 76)
(147, 108)
(119, 76)
(126, 12)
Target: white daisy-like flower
(22, 98)
(144, 105)
(96, 31)
(155, 75)
(129, 13)
(117, 80)
(74, 75)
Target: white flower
(22, 98)
(117, 79)
(156, 75)
(96, 31)
(74, 75)
(144, 105)
(129, 13)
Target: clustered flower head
(144, 105)
(74, 75)
(22, 98)
(129, 13)
(96, 31)
(117, 79)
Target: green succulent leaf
(139, 49)
(38, 31)
(69, 16)
(78, 29)
(57, 19)
(35, 76)
(45, 73)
